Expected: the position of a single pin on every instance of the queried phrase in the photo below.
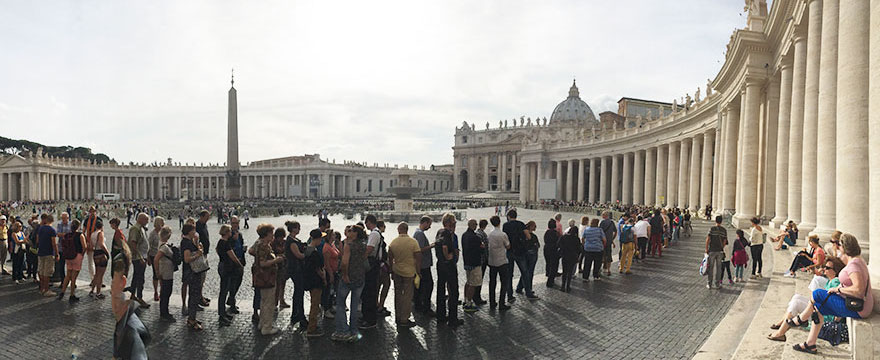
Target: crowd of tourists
(348, 273)
(840, 285)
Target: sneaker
(329, 315)
(316, 333)
(353, 337)
(708, 286)
(503, 307)
(337, 336)
(408, 323)
(233, 310)
(222, 321)
(753, 277)
(167, 317)
(72, 299)
(760, 276)
(470, 308)
(511, 300)
(50, 293)
(366, 325)
(730, 282)
(272, 331)
(532, 297)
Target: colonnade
(25, 185)
(677, 173)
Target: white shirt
(373, 240)
(756, 237)
(498, 244)
(640, 229)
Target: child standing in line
(740, 257)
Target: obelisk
(233, 177)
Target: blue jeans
(787, 239)
(526, 265)
(675, 233)
(342, 326)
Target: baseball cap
(2, 217)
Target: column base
(805, 227)
(742, 221)
(824, 233)
(777, 223)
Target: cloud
(383, 81)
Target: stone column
(502, 172)
(486, 172)
(694, 180)
(603, 180)
(662, 169)
(638, 184)
(706, 176)
(523, 183)
(852, 120)
(672, 182)
(650, 177)
(514, 185)
(683, 169)
(569, 181)
(580, 180)
(874, 145)
(560, 190)
(768, 158)
(627, 178)
(751, 121)
(730, 139)
(796, 129)
(782, 140)
(594, 180)
(811, 118)
(826, 149)
(615, 178)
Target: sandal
(776, 338)
(795, 321)
(775, 326)
(809, 349)
(193, 325)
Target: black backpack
(176, 257)
(71, 245)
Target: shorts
(155, 267)
(74, 264)
(475, 276)
(46, 265)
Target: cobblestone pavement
(663, 310)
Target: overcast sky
(376, 81)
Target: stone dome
(573, 110)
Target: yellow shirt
(3, 230)
(403, 249)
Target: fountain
(404, 209)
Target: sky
(366, 81)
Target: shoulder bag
(199, 265)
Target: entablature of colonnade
(748, 61)
(701, 118)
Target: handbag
(834, 332)
(855, 304)
(199, 265)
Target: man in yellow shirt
(405, 257)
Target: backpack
(176, 257)
(71, 246)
